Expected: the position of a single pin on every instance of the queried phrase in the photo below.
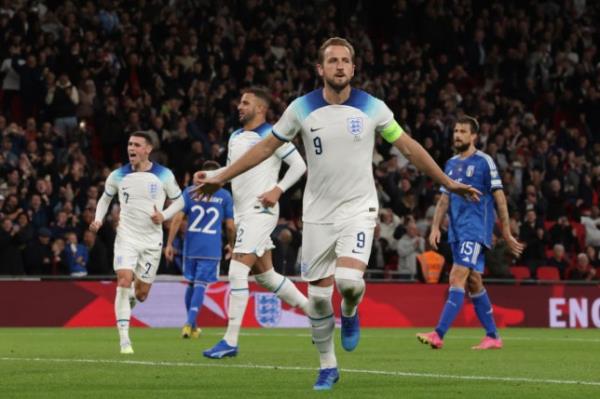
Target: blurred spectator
(59, 265)
(38, 256)
(388, 223)
(76, 256)
(582, 269)
(98, 262)
(591, 220)
(558, 259)
(38, 212)
(563, 233)
(532, 235)
(497, 259)
(409, 246)
(10, 253)
(62, 98)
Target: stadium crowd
(79, 76)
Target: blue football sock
(196, 303)
(485, 314)
(456, 297)
(189, 291)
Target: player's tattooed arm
(515, 246)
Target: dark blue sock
(196, 303)
(456, 297)
(188, 296)
(485, 314)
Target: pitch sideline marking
(292, 368)
(400, 334)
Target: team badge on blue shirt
(470, 170)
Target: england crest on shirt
(470, 170)
(267, 309)
(355, 125)
(153, 189)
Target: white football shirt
(139, 193)
(339, 141)
(263, 177)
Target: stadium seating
(520, 273)
(548, 273)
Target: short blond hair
(335, 41)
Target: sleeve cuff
(279, 136)
(177, 196)
(289, 152)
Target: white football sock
(351, 286)
(238, 299)
(283, 288)
(322, 320)
(123, 313)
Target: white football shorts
(143, 260)
(254, 233)
(322, 244)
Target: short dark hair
(145, 135)
(469, 120)
(210, 165)
(335, 41)
(259, 92)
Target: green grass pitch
(282, 363)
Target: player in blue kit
(202, 245)
(470, 233)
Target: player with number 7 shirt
(142, 187)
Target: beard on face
(461, 147)
(247, 117)
(338, 87)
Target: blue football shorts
(469, 254)
(201, 270)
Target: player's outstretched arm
(264, 149)
(101, 209)
(173, 229)
(440, 213)
(419, 157)
(515, 246)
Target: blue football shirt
(203, 237)
(469, 220)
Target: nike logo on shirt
(314, 129)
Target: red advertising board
(90, 304)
